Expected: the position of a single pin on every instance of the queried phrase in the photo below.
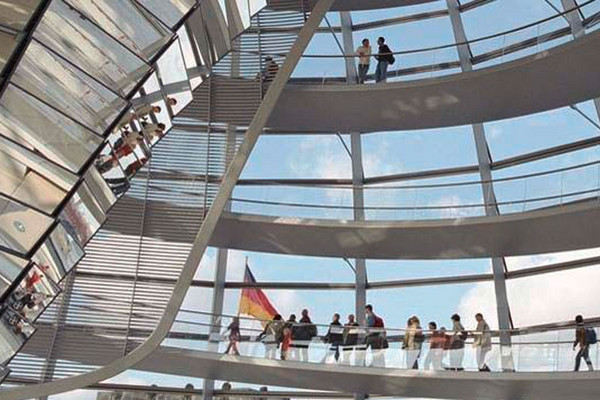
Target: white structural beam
(491, 208)
(218, 295)
(200, 244)
(358, 175)
(577, 30)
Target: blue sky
(399, 152)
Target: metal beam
(577, 30)
(491, 208)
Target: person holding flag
(254, 303)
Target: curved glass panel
(124, 20)
(49, 78)
(42, 129)
(65, 31)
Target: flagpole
(245, 267)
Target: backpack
(391, 59)
(590, 336)
(378, 322)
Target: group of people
(446, 347)
(385, 58)
(351, 341)
(136, 131)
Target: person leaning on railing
(272, 335)
(482, 342)
(334, 337)
(364, 60)
(457, 344)
(376, 337)
(350, 339)
(384, 58)
(413, 341)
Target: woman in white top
(364, 60)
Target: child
(285, 344)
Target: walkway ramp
(564, 75)
(548, 230)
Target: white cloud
(552, 297)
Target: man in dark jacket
(384, 58)
(335, 337)
(581, 339)
(302, 334)
(350, 339)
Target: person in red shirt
(438, 341)
(34, 277)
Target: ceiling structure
(118, 249)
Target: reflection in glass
(32, 179)
(14, 332)
(60, 253)
(127, 22)
(35, 292)
(82, 216)
(169, 12)
(49, 78)
(10, 268)
(16, 13)
(44, 130)
(99, 189)
(66, 32)
(20, 226)
(173, 72)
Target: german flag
(254, 302)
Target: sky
(540, 299)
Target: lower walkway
(343, 378)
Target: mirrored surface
(35, 292)
(82, 216)
(99, 189)
(14, 332)
(20, 226)
(129, 23)
(65, 31)
(16, 13)
(32, 179)
(10, 268)
(59, 253)
(66, 88)
(170, 12)
(173, 73)
(44, 130)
